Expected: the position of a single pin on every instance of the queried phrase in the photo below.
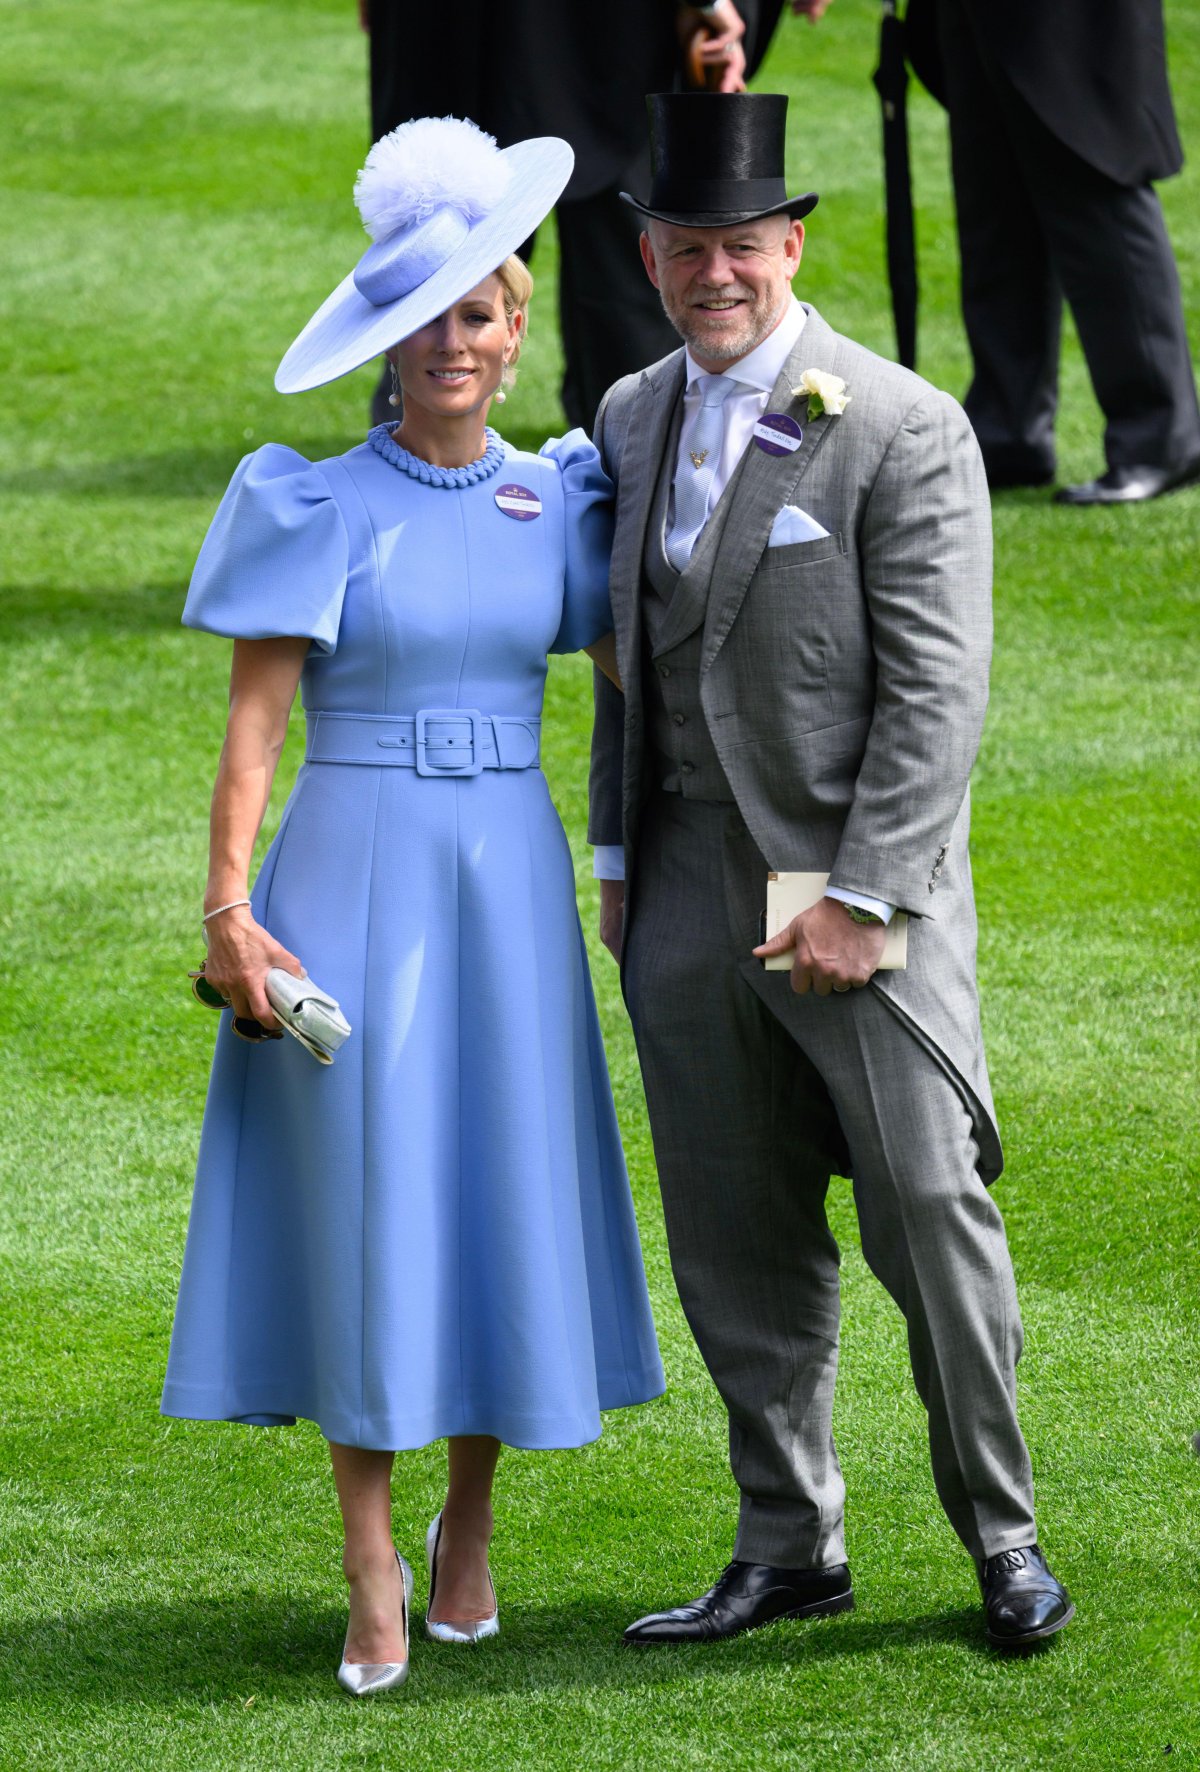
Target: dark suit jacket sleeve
(608, 749)
(608, 730)
(1094, 71)
(926, 552)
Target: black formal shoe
(744, 1596)
(1023, 1602)
(1132, 485)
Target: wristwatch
(856, 913)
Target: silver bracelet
(231, 906)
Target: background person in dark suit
(542, 67)
(1060, 119)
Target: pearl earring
(395, 398)
(500, 396)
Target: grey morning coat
(844, 680)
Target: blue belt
(433, 741)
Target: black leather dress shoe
(1022, 1600)
(744, 1596)
(1130, 485)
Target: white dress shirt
(756, 374)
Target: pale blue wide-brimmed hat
(444, 207)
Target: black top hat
(717, 157)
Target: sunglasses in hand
(244, 1026)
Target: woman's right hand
(240, 954)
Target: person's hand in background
(720, 49)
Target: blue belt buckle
(421, 719)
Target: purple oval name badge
(518, 502)
(778, 434)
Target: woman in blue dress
(432, 1237)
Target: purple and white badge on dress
(777, 434)
(518, 502)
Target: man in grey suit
(801, 591)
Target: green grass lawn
(175, 204)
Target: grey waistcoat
(681, 750)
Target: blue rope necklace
(489, 463)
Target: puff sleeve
(588, 512)
(275, 558)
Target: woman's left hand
(604, 654)
(612, 916)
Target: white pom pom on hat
(429, 164)
(444, 207)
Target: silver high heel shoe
(361, 1678)
(454, 1633)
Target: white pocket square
(793, 524)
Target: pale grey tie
(693, 483)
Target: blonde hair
(517, 285)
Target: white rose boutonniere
(826, 393)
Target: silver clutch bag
(308, 1013)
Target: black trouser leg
(1118, 273)
(1011, 301)
(1028, 203)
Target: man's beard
(737, 336)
